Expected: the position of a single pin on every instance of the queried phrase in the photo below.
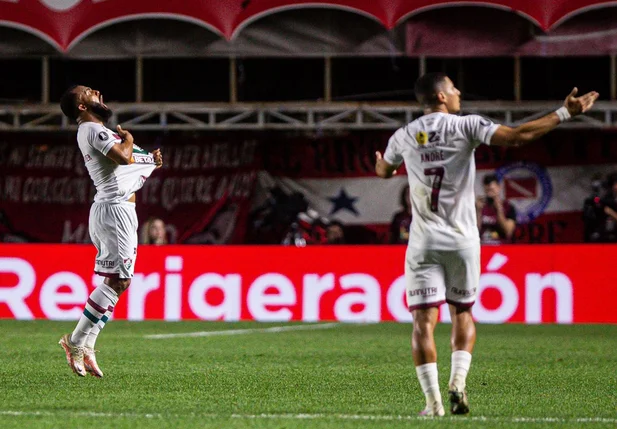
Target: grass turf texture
(348, 376)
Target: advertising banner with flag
(547, 182)
(234, 187)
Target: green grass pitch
(340, 376)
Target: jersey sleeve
(478, 130)
(394, 152)
(102, 139)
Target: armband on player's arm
(383, 168)
(530, 131)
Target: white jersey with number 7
(438, 151)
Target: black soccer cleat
(459, 404)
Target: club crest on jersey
(128, 263)
(422, 137)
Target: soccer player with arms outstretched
(442, 262)
(118, 168)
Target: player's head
(492, 188)
(435, 90)
(335, 232)
(79, 102)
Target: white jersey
(438, 151)
(114, 183)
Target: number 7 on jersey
(438, 172)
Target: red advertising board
(519, 283)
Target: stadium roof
(287, 27)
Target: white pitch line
(416, 418)
(317, 416)
(243, 331)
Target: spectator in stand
(609, 202)
(401, 222)
(496, 216)
(335, 233)
(594, 216)
(153, 232)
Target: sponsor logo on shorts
(463, 292)
(427, 291)
(105, 264)
(128, 263)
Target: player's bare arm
(383, 169)
(530, 131)
(610, 212)
(122, 153)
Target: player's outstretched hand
(158, 158)
(379, 158)
(124, 134)
(577, 105)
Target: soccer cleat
(459, 404)
(74, 355)
(436, 410)
(90, 364)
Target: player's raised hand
(124, 134)
(158, 158)
(577, 105)
(379, 159)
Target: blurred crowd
(600, 211)
(287, 219)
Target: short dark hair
(426, 87)
(68, 103)
(490, 178)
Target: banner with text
(210, 182)
(202, 193)
(519, 283)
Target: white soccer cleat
(74, 355)
(90, 363)
(436, 410)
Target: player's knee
(422, 327)
(119, 285)
(461, 315)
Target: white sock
(461, 361)
(101, 300)
(96, 329)
(427, 375)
